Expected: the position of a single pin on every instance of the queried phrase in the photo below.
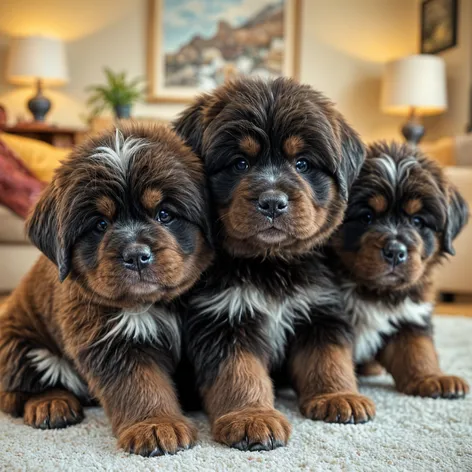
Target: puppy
(280, 161)
(402, 218)
(124, 224)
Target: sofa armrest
(455, 274)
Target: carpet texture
(408, 434)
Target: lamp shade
(37, 57)
(417, 82)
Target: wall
(459, 80)
(343, 46)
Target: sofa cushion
(40, 158)
(19, 189)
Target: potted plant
(119, 94)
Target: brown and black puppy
(124, 221)
(280, 161)
(402, 218)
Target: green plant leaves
(118, 91)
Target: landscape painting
(195, 45)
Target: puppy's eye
(418, 222)
(302, 166)
(164, 216)
(101, 226)
(241, 165)
(367, 218)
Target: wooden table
(58, 136)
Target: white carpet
(408, 434)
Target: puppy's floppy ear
(45, 232)
(353, 155)
(189, 125)
(194, 120)
(457, 217)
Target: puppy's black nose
(273, 203)
(137, 256)
(395, 253)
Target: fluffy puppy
(124, 224)
(280, 161)
(402, 218)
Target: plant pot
(122, 111)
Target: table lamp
(40, 60)
(414, 86)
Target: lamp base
(413, 130)
(39, 105)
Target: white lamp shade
(417, 82)
(37, 57)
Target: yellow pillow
(40, 158)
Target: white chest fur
(150, 324)
(374, 320)
(237, 303)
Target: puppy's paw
(12, 403)
(339, 408)
(51, 411)
(158, 436)
(438, 386)
(252, 429)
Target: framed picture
(438, 25)
(194, 46)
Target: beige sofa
(455, 274)
(16, 254)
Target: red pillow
(19, 189)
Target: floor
(408, 433)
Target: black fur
(268, 112)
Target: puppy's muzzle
(137, 257)
(272, 204)
(395, 253)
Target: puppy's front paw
(438, 386)
(252, 429)
(51, 411)
(339, 408)
(158, 436)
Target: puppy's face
(126, 217)
(280, 161)
(402, 217)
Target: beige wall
(459, 80)
(344, 43)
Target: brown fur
(413, 206)
(326, 384)
(413, 363)
(240, 404)
(370, 369)
(71, 320)
(293, 146)
(378, 203)
(250, 146)
(106, 206)
(53, 409)
(151, 199)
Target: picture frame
(194, 46)
(438, 25)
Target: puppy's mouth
(271, 235)
(143, 288)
